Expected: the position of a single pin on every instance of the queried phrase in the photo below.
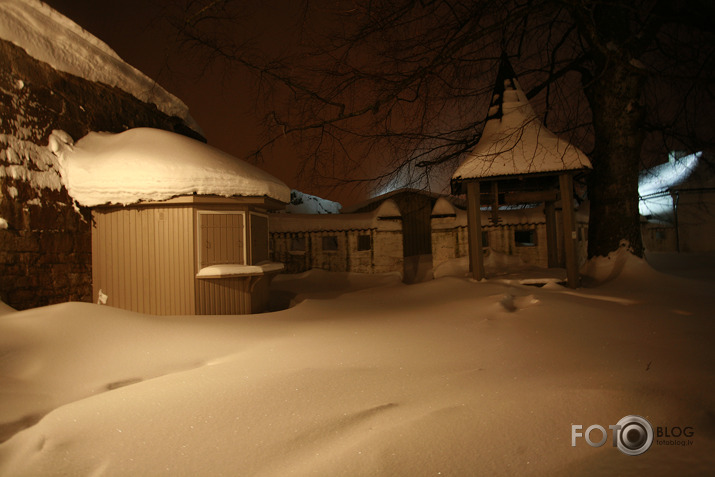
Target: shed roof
(384, 217)
(515, 141)
(145, 164)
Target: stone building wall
(45, 251)
(300, 251)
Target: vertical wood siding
(222, 240)
(143, 259)
(223, 296)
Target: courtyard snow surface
(448, 377)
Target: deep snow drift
(449, 377)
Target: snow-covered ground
(448, 377)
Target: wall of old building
(45, 241)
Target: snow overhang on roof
(52, 38)
(386, 217)
(515, 142)
(145, 164)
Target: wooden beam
(552, 241)
(569, 232)
(527, 197)
(495, 202)
(474, 225)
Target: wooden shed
(517, 161)
(364, 242)
(179, 227)
(415, 209)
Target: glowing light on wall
(654, 184)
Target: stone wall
(383, 255)
(45, 241)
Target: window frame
(268, 234)
(362, 236)
(533, 234)
(322, 243)
(199, 213)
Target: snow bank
(50, 37)
(501, 266)
(4, 308)
(145, 164)
(448, 377)
(603, 269)
(518, 143)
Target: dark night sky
(222, 105)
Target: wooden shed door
(222, 239)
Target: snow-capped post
(518, 161)
(569, 232)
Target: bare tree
(397, 91)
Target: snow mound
(145, 164)
(495, 263)
(52, 38)
(618, 262)
(5, 308)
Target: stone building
(365, 242)
(56, 76)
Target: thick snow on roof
(52, 38)
(145, 164)
(515, 141)
(333, 222)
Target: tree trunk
(614, 97)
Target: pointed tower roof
(514, 140)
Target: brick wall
(45, 254)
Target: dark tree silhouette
(396, 91)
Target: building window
(297, 244)
(330, 243)
(259, 238)
(221, 238)
(364, 242)
(525, 238)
